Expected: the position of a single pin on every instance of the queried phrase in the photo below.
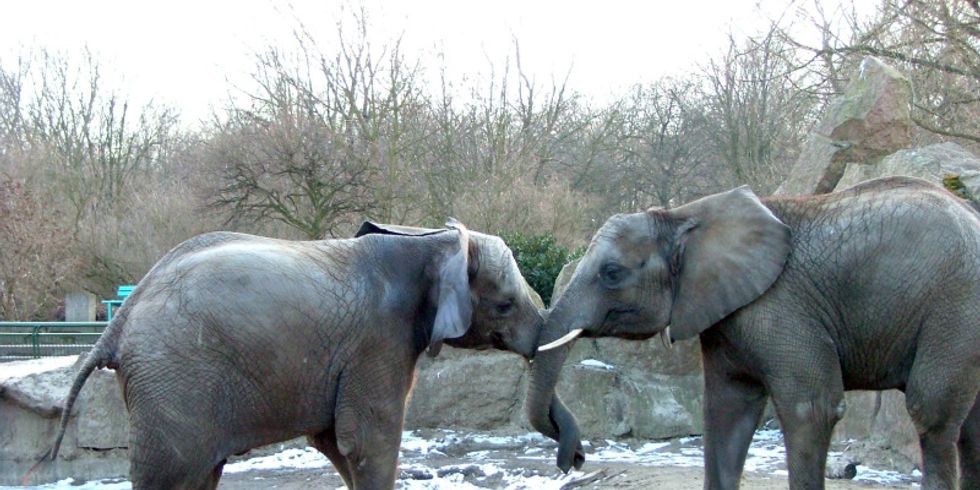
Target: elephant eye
(505, 307)
(612, 274)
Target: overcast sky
(182, 52)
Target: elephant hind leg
(939, 403)
(326, 443)
(969, 448)
(159, 461)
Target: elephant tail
(101, 355)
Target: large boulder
(30, 407)
(870, 120)
(877, 430)
(468, 390)
(936, 163)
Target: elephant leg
(969, 447)
(733, 408)
(215, 476)
(939, 403)
(163, 456)
(168, 470)
(326, 443)
(369, 415)
(808, 394)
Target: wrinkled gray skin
(234, 341)
(798, 299)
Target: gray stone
(933, 163)
(564, 277)
(877, 430)
(30, 408)
(103, 422)
(870, 120)
(80, 307)
(637, 388)
(468, 390)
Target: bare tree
(93, 137)
(935, 42)
(37, 260)
(660, 153)
(756, 113)
(323, 140)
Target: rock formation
(869, 121)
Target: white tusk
(667, 340)
(568, 337)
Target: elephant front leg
(326, 443)
(808, 404)
(969, 448)
(369, 417)
(732, 412)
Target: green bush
(540, 259)
(955, 185)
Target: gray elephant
(234, 341)
(797, 299)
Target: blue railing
(122, 292)
(33, 340)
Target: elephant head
(504, 315)
(483, 300)
(676, 271)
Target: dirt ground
(615, 475)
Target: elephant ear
(728, 250)
(454, 309)
(372, 228)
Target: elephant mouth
(616, 316)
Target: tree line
(94, 188)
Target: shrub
(540, 259)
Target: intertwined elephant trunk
(545, 410)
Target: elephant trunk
(545, 410)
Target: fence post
(36, 342)
(80, 307)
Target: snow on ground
(444, 459)
(595, 363)
(295, 458)
(19, 369)
(71, 484)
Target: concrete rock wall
(30, 407)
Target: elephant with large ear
(797, 299)
(234, 341)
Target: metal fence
(33, 340)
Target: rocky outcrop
(877, 431)
(936, 163)
(468, 390)
(870, 120)
(94, 445)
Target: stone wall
(30, 407)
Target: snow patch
(304, 458)
(595, 363)
(71, 484)
(19, 369)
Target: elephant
(233, 341)
(796, 299)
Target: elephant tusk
(568, 337)
(668, 342)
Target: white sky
(183, 52)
